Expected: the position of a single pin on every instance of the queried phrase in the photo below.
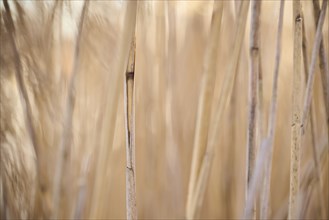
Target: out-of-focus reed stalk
(311, 71)
(265, 196)
(204, 109)
(253, 94)
(225, 94)
(111, 103)
(313, 132)
(297, 95)
(65, 144)
(324, 68)
(129, 87)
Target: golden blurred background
(171, 41)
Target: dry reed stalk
(272, 120)
(313, 132)
(297, 95)
(311, 71)
(129, 102)
(204, 106)
(106, 138)
(253, 94)
(324, 68)
(65, 144)
(225, 94)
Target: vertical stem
(313, 133)
(324, 68)
(253, 92)
(65, 144)
(204, 106)
(129, 102)
(272, 119)
(296, 112)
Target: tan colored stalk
(311, 71)
(272, 120)
(253, 94)
(204, 106)
(297, 95)
(313, 133)
(129, 87)
(65, 144)
(106, 139)
(324, 68)
(225, 94)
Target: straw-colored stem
(65, 144)
(225, 95)
(129, 81)
(204, 106)
(272, 120)
(253, 94)
(311, 71)
(324, 68)
(297, 95)
(313, 133)
(106, 138)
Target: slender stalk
(204, 106)
(296, 112)
(253, 93)
(311, 71)
(65, 144)
(225, 94)
(129, 86)
(324, 67)
(110, 113)
(272, 120)
(313, 133)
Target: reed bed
(164, 109)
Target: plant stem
(253, 93)
(296, 112)
(313, 132)
(204, 107)
(65, 144)
(129, 101)
(272, 120)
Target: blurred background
(171, 41)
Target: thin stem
(311, 71)
(225, 95)
(253, 94)
(65, 143)
(129, 86)
(313, 132)
(272, 119)
(324, 67)
(204, 106)
(296, 112)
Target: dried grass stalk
(272, 120)
(204, 106)
(313, 133)
(225, 94)
(324, 68)
(65, 144)
(296, 112)
(253, 93)
(106, 139)
(129, 86)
